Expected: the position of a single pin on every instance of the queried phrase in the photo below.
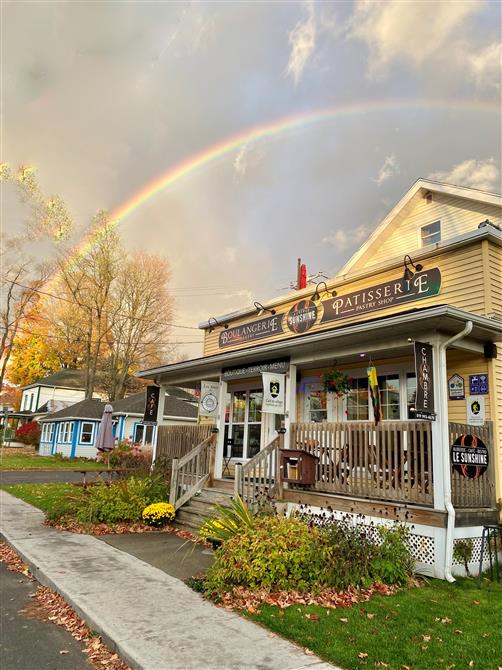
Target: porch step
(191, 515)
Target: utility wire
(75, 302)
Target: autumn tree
(138, 332)
(85, 281)
(22, 276)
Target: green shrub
(392, 563)
(227, 521)
(103, 502)
(275, 553)
(129, 456)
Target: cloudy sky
(104, 97)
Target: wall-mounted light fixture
(216, 324)
(317, 296)
(260, 308)
(408, 273)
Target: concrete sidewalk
(153, 620)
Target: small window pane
(237, 441)
(317, 408)
(86, 437)
(389, 394)
(411, 394)
(255, 403)
(431, 233)
(239, 407)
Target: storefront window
(357, 400)
(317, 409)
(411, 394)
(239, 407)
(389, 393)
(255, 403)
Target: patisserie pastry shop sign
(390, 294)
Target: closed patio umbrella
(105, 440)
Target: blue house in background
(72, 431)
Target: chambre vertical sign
(424, 402)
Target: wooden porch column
(160, 418)
(290, 405)
(220, 424)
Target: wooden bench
(110, 471)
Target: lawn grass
(440, 626)
(43, 496)
(10, 461)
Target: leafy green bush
(274, 553)
(129, 456)
(122, 500)
(392, 562)
(227, 521)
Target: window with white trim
(316, 403)
(431, 234)
(51, 432)
(389, 396)
(70, 431)
(86, 433)
(358, 400)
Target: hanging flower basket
(337, 382)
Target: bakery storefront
(375, 393)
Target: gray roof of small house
(133, 404)
(85, 409)
(69, 379)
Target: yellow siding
(496, 379)
(457, 216)
(462, 286)
(495, 278)
(465, 364)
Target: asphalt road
(42, 477)
(27, 642)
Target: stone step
(214, 495)
(187, 516)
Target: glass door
(243, 423)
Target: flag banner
(375, 394)
(424, 401)
(274, 386)
(209, 398)
(151, 405)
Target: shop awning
(374, 335)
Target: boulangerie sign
(424, 402)
(273, 392)
(208, 403)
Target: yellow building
(429, 279)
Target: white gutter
(450, 526)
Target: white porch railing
(259, 474)
(191, 472)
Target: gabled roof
(68, 379)
(133, 404)
(417, 191)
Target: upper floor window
(431, 234)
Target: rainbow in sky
(267, 131)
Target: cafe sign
(302, 316)
(249, 332)
(469, 456)
(424, 401)
(381, 296)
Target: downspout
(450, 526)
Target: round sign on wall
(302, 316)
(209, 402)
(469, 456)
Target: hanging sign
(151, 405)
(478, 384)
(396, 292)
(279, 366)
(274, 395)
(302, 316)
(209, 394)
(248, 332)
(374, 394)
(424, 402)
(456, 387)
(475, 410)
(469, 456)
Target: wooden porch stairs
(193, 513)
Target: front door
(243, 423)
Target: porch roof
(382, 332)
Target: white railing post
(174, 481)
(238, 479)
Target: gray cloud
(105, 97)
